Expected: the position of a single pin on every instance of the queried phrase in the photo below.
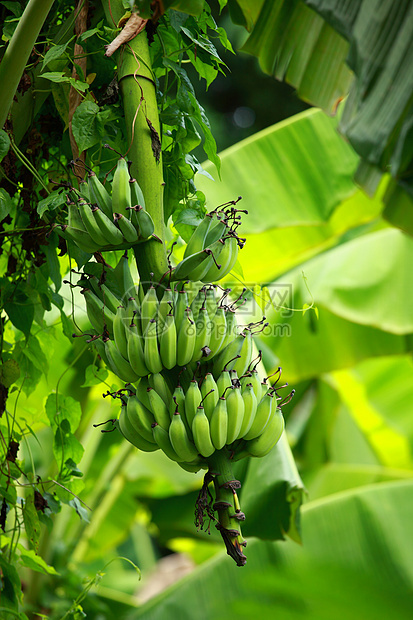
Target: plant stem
(227, 504)
(19, 50)
(150, 256)
(140, 106)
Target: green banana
(235, 411)
(81, 238)
(233, 256)
(250, 409)
(98, 314)
(210, 395)
(151, 352)
(133, 310)
(145, 224)
(136, 355)
(84, 190)
(226, 257)
(198, 302)
(124, 279)
(74, 220)
(99, 195)
(167, 343)
(186, 268)
(216, 230)
(216, 271)
(180, 441)
(211, 266)
(121, 193)
(254, 379)
(203, 335)
(219, 424)
(192, 288)
(178, 400)
(186, 339)
(180, 308)
(227, 357)
(132, 435)
(199, 272)
(193, 398)
(218, 333)
(118, 364)
(142, 392)
(119, 332)
(158, 382)
(232, 327)
(246, 353)
(100, 349)
(126, 228)
(262, 445)
(195, 466)
(137, 197)
(158, 408)
(264, 410)
(165, 307)
(109, 299)
(161, 436)
(136, 409)
(211, 301)
(111, 233)
(140, 418)
(201, 433)
(91, 224)
(197, 240)
(223, 382)
(149, 307)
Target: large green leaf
(296, 182)
(295, 44)
(307, 347)
(335, 477)
(358, 428)
(367, 280)
(315, 51)
(294, 173)
(356, 563)
(399, 206)
(377, 116)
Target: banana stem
(18, 52)
(138, 90)
(227, 504)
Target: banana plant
(321, 224)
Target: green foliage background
(328, 262)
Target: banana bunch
(212, 251)
(189, 425)
(98, 220)
(192, 387)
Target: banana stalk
(227, 504)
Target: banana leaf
(294, 173)
(315, 45)
(367, 281)
(296, 180)
(356, 562)
(295, 44)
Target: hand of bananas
(142, 338)
(98, 220)
(212, 251)
(192, 420)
